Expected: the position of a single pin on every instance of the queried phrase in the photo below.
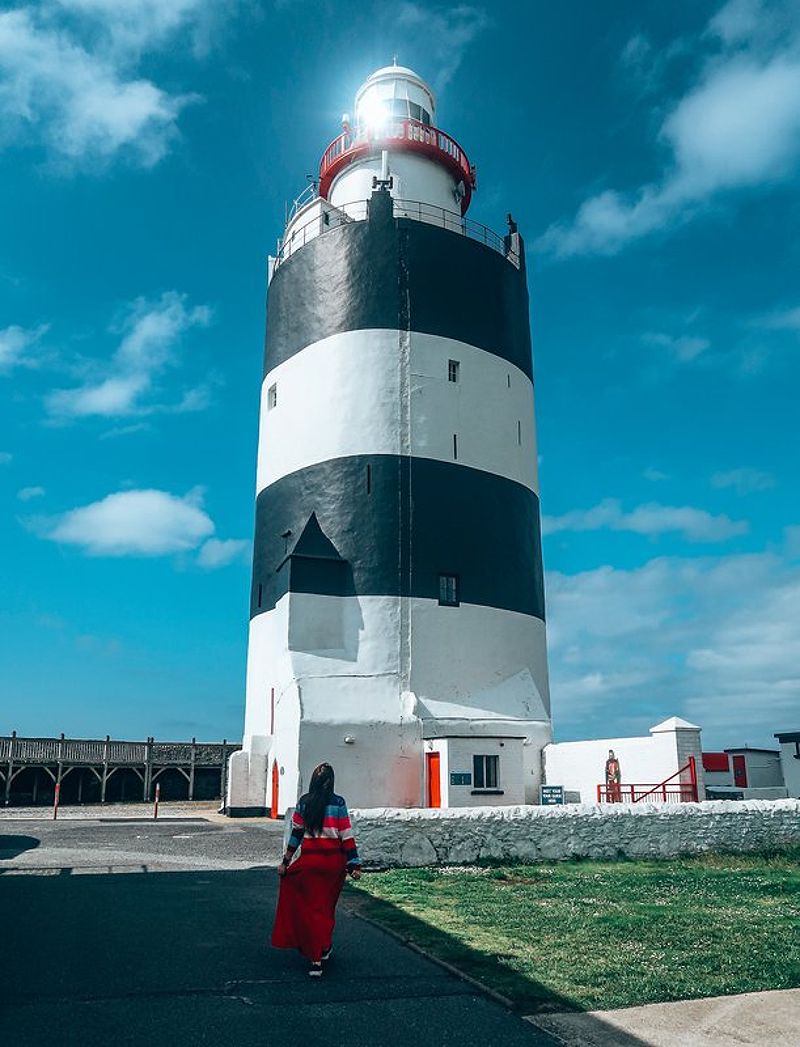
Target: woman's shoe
(328, 953)
(315, 970)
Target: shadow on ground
(139, 957)
(525, 995)
(12, 846)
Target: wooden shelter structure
(106, 770)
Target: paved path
(760, 1019)
(128, 933)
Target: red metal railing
(668, 791)
(404, 134)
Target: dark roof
(313, 544)
(753, 749)
(788, 736)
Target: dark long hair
(318, 797)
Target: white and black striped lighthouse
(397, 608)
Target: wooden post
(191, 769)
(148, 770)
(155, 802)
(56, 799)
(80, 786)
(60, 762)
(10, 769)
(105, 770)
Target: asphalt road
(143, 933)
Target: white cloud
(133, 523)
(792, 541)
(714, 640)
(25, 494)
(695, 525)
(69, 75)
(786, 320)
(736, 20)
(151, 333)
(737, 128)
(744, 481)
(6, 457)
(654, 475)
(218, 553)
(15, 346)
(684, 348)
(448, 30)
(86, 105)
(134, 25)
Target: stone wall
(395, 837)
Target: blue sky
(649, 152)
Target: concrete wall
(456, 757)
(393, 837)
(790, 764)
(763, 768)
(580, 766)
(356, 400)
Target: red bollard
(55, 801)
(155, 803)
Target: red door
(739, 772)
(275, 779)
(434, 780)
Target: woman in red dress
(320, 852)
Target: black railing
(331, 217)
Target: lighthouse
(397, 600)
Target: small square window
(448, 590)
(272, 397)
(485, 771)
(453, 367)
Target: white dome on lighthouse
(394, 92)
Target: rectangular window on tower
(453, 367)
(272, 397)
(448, 590)
(485, 771)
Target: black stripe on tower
(350, 278)
(337, 529)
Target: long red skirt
(307, 898)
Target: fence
(674, 789)
(93, 762)
(330, 217)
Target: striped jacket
(336, 829)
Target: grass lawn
(589, 935)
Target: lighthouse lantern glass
(393, 92)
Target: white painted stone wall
(395, 837)
(355, 399)
(645, 760)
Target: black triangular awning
(312, 544)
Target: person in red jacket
(613, 779)
(320, 852)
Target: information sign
(551, 795)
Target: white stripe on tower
(341, 396)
